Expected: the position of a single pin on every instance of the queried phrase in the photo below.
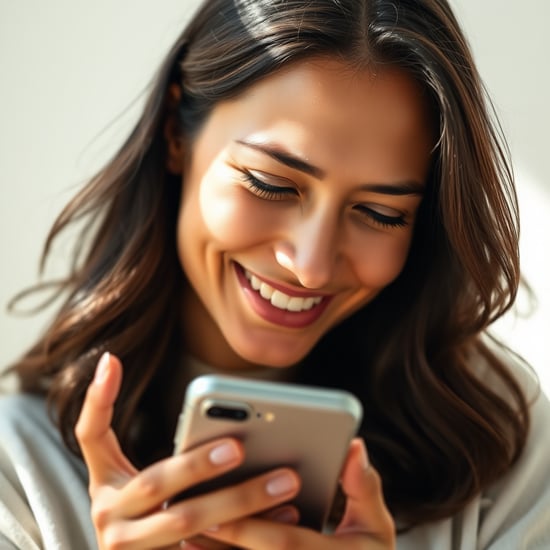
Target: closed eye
(266, 190)
(380, 219)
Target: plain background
(71, 76)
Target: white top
(44, 501)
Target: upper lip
(287, 290)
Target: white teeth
(255, 283)
(266, 291)
(296, 304)
(279, 299)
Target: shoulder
(18, 410)
(23, 419)
(25, 423)
(43, 487)
(519, 369)
(515, 511)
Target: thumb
(98, 443)
(366, 511)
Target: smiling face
(298, 208)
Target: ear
(172, 134)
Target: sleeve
(18, 528)
(5, 544)
(44, 501)
(518, 513)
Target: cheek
(226, 219)
(381, 259)
(232, 217)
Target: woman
(315, 192)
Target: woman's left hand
(366, 524)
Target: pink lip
(272, 314)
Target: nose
(310, 250)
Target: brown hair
(437, 433)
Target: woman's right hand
(127, 505)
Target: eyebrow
(291, 160)
(285, 157)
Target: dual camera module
(227, 413)
(236, 412)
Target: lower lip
(268, 312)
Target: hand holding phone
(308, 429)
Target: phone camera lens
(215, 412)
(227, 413)
(239, 414)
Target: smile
(279, 299)
(279, 305)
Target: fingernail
(224, 454)
(281, 484)
(102, 369)
(363, 456)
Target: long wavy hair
(435, 430)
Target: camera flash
(269, 417)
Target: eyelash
(265, 190)
(273, 192)
(381, 219)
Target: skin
(346, 131)
(357, 130)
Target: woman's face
(298, 208)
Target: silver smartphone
(280, 424)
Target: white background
(71, 73)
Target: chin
(272, 356)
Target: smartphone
(280, 424)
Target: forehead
(334, 115)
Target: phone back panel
(308, 429)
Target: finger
(366, 509)
(165, 479)
(184, 520)
(366, 519)
(98, 443)
(283, 514)
(263, 534)
(202, 543)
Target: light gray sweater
(44, 501)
